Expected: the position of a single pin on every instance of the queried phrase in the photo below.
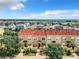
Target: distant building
(12, 26)
(20, 26)
(67, 27)
(27, 24)
(56, 26)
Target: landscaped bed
(29, 52)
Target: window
(43, 38)
(77, 40)
(53, 41)
(68, 41)
(35, 39)
(43, 44)
(29, 39)
(29, 44)
(24, 41)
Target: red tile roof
(48, 32)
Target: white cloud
(12, 4)
(17, 6)
(56, 14)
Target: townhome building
(40, 38)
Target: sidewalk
(20, 56)
(74, 57)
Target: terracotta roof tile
(48, 32)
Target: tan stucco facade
(1, 34)
(43, 40)
(1, 31)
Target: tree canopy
(54, 51)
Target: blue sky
(39, 9)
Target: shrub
(54, 51)
(68, 53)
(26, 51)
(77, 51)
(29, 51)
(33, 50)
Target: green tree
(54, 51)
(10, 32)
(11, 44)
(68, 53)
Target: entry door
(39, 45)
(25, 43)
(68, 43)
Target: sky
(39, 9)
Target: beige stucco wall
(51, 38)
(60, 39)
(77, 40)
(1, 31)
